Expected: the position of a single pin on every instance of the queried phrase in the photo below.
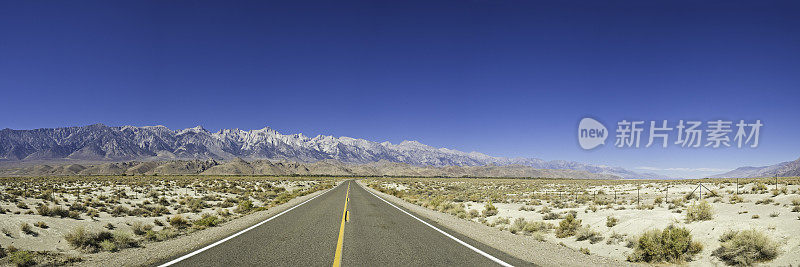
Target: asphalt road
(373, 233)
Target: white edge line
(498, 261)
(238, 233)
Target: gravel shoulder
(153, 253)
(520, 246)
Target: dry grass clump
(21, 258)
(27, 229)
(735, 199)
(140, 228)
(586, 233)
(611, 221)
(489, 210)
(568, 226)
(746, 248)
(699, 212)
(82, 239)
(673, 244)
(528, 228)
(178, 222)
(207, 220)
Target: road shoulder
(519, 246)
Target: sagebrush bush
(140, 228)
(178, 222)
(207, 220)
(568, 226)
(533, 227)
(551, 216)
(734, 199)
(244, 207)
(490, 210)
(746, 248)
(699, 212)
(82, 239)
(586, 233)
(673, 244)
(21, 258)
(611, 221)
(41, 224)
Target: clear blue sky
(507, 78)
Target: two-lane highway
(347, 226)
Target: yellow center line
(337, 258)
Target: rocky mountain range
(783, 169)
(101, 143)
(331, 167)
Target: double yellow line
(337, 258)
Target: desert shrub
(532, 227)
(518, 225)
(124, 240)
(586, 233)
(755, 216)
(489, 210)
(178, 222)
(82, 239)
(584, 251)
(108, 245)
(673, 244)
(735, 199)
(568, 226)
(41, 224)
(473, 213)
(796, 202)
(56, 211)
(746, 248)
(501, 220)
(207, 220)
(699, 212)
(611, 221)
(119, 211)
(759, 187)
(615, 238)
(658, 201)
(244, 207)
(764, 201)
(166, 233)
(774, 214)
(140, 228)
(551, 216)
(27, 229)
(21, 258)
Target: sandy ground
(775, 219)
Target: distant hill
(783, 169)
(98, 142)
(265, 167)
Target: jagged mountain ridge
(99, 142)
(783, 169)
